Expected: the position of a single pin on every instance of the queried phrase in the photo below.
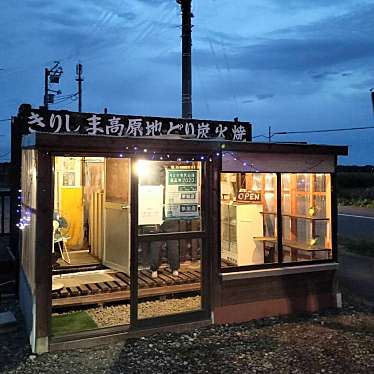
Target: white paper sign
(150, 205)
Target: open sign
(249, 197)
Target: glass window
(169, 196)
(248, 219)
(306, 216)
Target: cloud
(258, 97)
(271, 62)
(129, 16)
(365, 84)
(264, 96)
(296, 4)
(327, 48)
(329, 74)
(295, 55)
(154, 2)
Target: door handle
(124, 207)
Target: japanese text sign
(40, 120)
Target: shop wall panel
(278, 162)
(279, 287)
(273, 307)
(26, 302)
(28, 215)
(43, 244)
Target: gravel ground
(120, 314)
(330, 342)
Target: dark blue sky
(292, 65)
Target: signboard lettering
(39, 120)
(252, 197)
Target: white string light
(25, 218)
(160, 156)
(247, 164)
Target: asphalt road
(356, 223)
(357, 272)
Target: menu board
(181, 193)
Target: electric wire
(312, 131)
(322, 130)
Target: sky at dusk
(292, 65)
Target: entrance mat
(72, 322)
(75, 280)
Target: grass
(359, 246)
(356, 197)
(72, 322)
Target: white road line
(354, 216)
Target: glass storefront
(249, 218)
(306, 216)
(92, 251)
(130, 270)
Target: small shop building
(131, 225)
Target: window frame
(280, 263)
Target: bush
(356, 188)
(363, 197)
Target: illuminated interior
(249, 218)
(91, 256)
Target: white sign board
(150, 205)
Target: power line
(312, 131)
(260, 136)
(5, 119)
(323, 130)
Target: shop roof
(96, 144)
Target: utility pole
(79, 79)
(51, 76)
(186, 58)
(46, 75)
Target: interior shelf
(303, 246)
(298, 216)
(265, 239)
(291, 244)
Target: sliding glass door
(169, 239)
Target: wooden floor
(111, 286)
(77, 259)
